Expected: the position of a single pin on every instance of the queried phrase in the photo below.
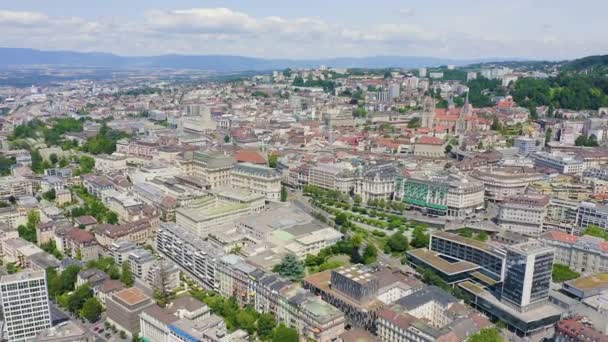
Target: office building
(558, 162)
(528, 275)
(502, 182)
(375, 182)
(123, 309)
(444, 194)
(592, 214)
(214, 168)
(491, 259)
(526, 145)
(259, 180)
(523, 214)
(25, 304)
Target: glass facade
(513, 287)
(541, 280)
(491, 264)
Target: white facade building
(25, 304)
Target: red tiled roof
(560, 236)
(429, 141)
(80, 235)
(249, 156)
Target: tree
(53, 159)
(563, 273)
(290, 267)
(482, 236)
(358, 199)
(127, 276)
(86, 164)
(11, 268)
(548, 136)
(246, 321)
(414, 123)
(226, 139)
(77, 299)
(341, 219)
(466, 232)
(283, 194)
(91, 310)
(68, 277)
(50, 195)
(272, 160)
(486, 335)
(397, 243)
(265, 325)
(370, 254)
(282, 333)
(419, 238)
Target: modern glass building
(490, 259)
(528, 275)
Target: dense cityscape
(408, 202)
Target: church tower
(428, 113)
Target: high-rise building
(25, 304)
(422, 72)
(528, 275)
(394, 90)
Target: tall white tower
(25, 304)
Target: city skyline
(270, 29)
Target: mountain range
(20, 57)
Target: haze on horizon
(539, 29)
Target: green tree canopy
(290, 267)
(91, 310)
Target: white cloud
(227, 31)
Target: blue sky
(538, 29)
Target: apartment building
(192, 254)
(331, 177)
(13, 217)
(429, 315)
(524, 214)
(141, 232)
(25, 304)
(15, 186)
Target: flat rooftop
(434, 260)
(321, 281)
(463, 240)
(22, 276)
(132, 295)
(529, 248)
(533, 315)
(598, 280)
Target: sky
(302, 29)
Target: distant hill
(14, 57)
(587, 64)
